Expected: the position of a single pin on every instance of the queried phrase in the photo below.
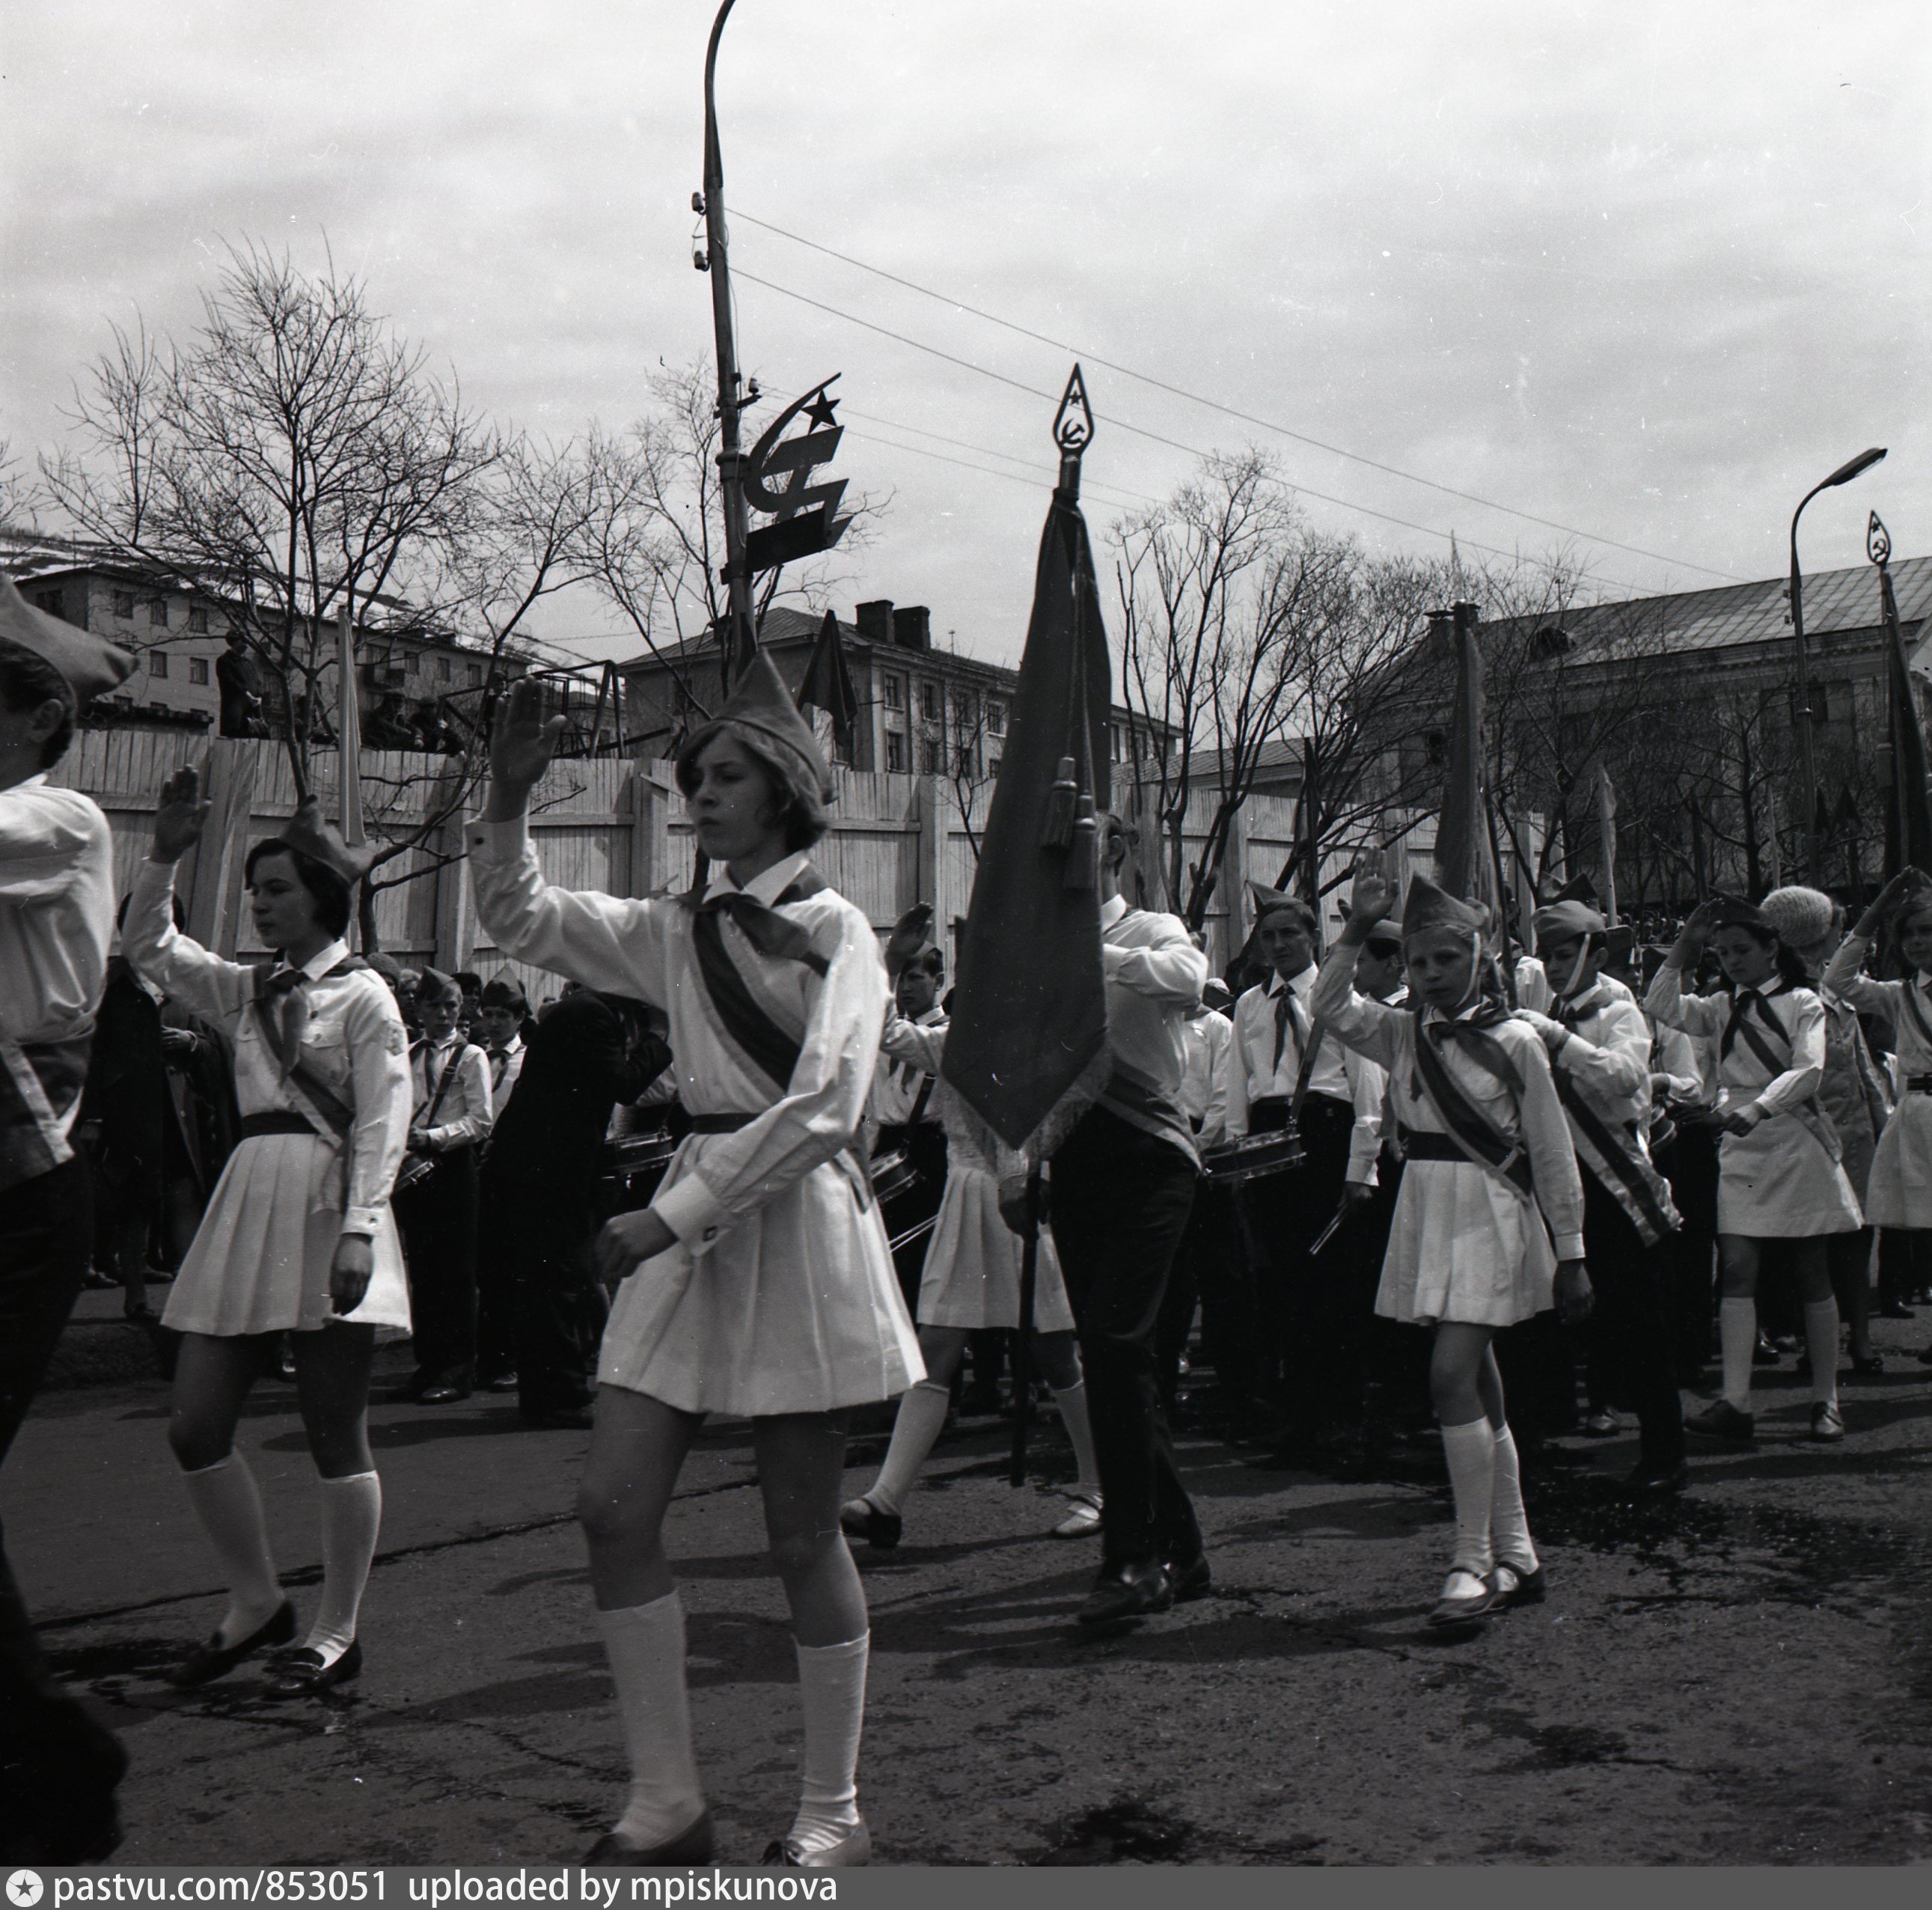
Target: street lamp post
(1807, 768)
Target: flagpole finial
(1072, 431)
(1878, 540)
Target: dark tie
(1568, 1013)
(1288, 1014)
(765, 929)
(1746, 1000)
(281, 994)
(498, 1060)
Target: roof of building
(1741, 614)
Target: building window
(158, 613)
(928, 701)
(473, 675)
(996, 716)
(443, 672)
(962, 711)
(891, 692)
(1114, 744)
(928, 754)
(158, 663)
(992, 763)
(54, 603)
(197, 669)
(197, 620)
(1436, 744)
(896, 751)
(123, 604)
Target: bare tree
(293, 456)
(1208, 584)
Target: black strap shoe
(1191, 1580)
(301, 1674)
(206, 1662)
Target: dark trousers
(1904, 1263)
(1689, 1164)
(1313, 1311)
(438, 1220)
(536, 1270)
(58, 1766)
(1214, 1263)
(1630, 1324)
(1120, 1206)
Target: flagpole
(716, 259)
(348, 734)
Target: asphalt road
(1746, 1677)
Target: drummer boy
(1284, 1060)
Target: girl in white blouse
(298, 1237)
(759, 1280)
(1780, 1179)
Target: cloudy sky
(1646, 270)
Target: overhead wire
(1227, 410)
(1451, 536)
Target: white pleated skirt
(261, 1258)
(794, 1308)
(972, 1274)
(1463, 1247)
(1777, 1183)
(1899, 1193)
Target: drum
(634, 1169)
(1254, 1157)
(908, 1204)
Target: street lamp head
(1864, 461)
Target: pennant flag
(1606, 830)
(1027, 1049)
(828, 685)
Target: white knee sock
(832, 1682)
(1470, 1451)
(1737, 1340)
(352, 1516)
(1821, 1341)
(1508, 1522)
(922, 1419)
(225, 1501)
(1073, 1415)
(645, 1643)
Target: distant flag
(1908, 825)
(1027, 1047)
(1606, 830)
(1461, 829)
(828, 685)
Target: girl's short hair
(328, 890)
(800, 810)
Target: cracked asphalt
(1745, 1677)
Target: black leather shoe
(693, 1845)
(499, 1382)
(207, 1662)
(1194, 1580)
(1722, 1420)
(1894, 1310)
(860, 1519)
(1128, 1591)
(443, 1393)
(301, 1674)
(1647, 1481)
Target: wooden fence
(612, 825)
